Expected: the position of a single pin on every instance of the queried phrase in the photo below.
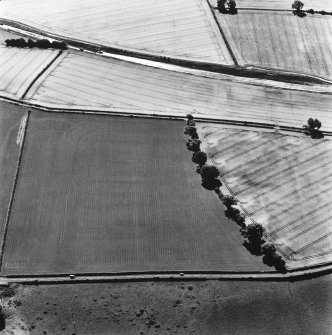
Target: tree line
(253, 233)
(41, 44)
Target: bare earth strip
(184, 29)
(283, 183)
(18, 67)
(129, 87)
(105, 194)
(281, 4)
(258, 36)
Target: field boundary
(3, 242)
(157, 115)
(230, 50)
(240, 71)
(40, 74)
(292, 275)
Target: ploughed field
(282, 182)
(99, 82)
(259, 38)
(106, 194)
(18, 68)
(184, 29)
(281, 4)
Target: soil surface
(208, 307)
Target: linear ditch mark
(291, 194)
(257, 183)
(284, 211)
(41, 73)
(310, 228)
(314, 242)
(280, 159)
(292, 179)
(3, 242)
(298, 218)
(228, 46)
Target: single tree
(297, 5)
(193, 145)
(191, 131)
(31, 43)
(312, 128)
(254, 233)
(199, 157)
(268, 248)
(221, 5)
(232, 7)
(229, 200)
(209, 172)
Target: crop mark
(310, 228)
(257, 183)
(314, 242)
(302, 216)
(292, 193)
(3, 242)
(21, 130)
(291, 180)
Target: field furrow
(19, 67)
(174, 28)
(286, 186)
(259, 37)
(133, 86)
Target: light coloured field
(100, 82)
(178, 28)
(283, 182)
(281, 4)
(4, 35)
(18, 68)
(106, 194)
(281, 40)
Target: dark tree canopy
(191, 131)
(193, 145)
(229, 200)
(199, 157)
(268, 248)
(254, 233)
(209, 172)
(297, 5)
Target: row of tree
(227, 6)
(253, 233)
(297, 7)
(41, 44)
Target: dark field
(10, 119)
(200, 308)
(107, 194)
